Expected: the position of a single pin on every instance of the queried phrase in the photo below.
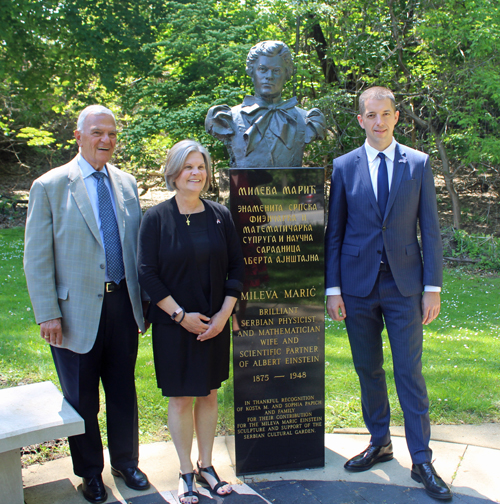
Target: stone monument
(278, 328)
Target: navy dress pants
(402, 317)
(111, 360)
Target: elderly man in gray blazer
(80, 262)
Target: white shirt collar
(372, 153)
(87, 168)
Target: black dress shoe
(368, 458)
(94, 490)
(134, 478)
(434, 485)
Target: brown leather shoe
(435, 487)
(369, 457)
(93, 489)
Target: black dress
(185, 366)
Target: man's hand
(51, 331)
(335, 307)
(431, 305)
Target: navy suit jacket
(357, 231)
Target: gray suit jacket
(64, 258)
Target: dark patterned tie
(112, 245)
(382, 191)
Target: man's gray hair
(270, 48)
(376, 93)
(176, 158)
(92, 110)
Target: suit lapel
(81, 197)
(397, 175)
(117, 185)
(364, 173)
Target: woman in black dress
(191, 265)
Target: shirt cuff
(333, 291)
(431, 288)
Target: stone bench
(30, 414)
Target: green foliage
(474, 246)
(9, 207)
(198, 62)
(57, 57)
(37, 137)
(462, 42)
(161, 66)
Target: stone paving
(467, 457)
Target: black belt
(112, 287)
(384, 267)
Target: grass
(460, 359)
(24, 357)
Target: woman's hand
(195, 323)
(215, 326)
(219, 320)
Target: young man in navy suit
(378, 274)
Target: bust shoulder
(219, 121)
(316, 125)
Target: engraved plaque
(278, 329)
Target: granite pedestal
(278, 328)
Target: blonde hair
(376, 93)
(176, 158)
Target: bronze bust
(265, 131)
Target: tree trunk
(448, 179)
(447, 173)
(321, 46)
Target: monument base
(278, 327)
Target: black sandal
(210, 471)
(188, 484)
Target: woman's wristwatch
(176, 312)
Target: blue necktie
(112, 244)
(382, 184)
(382, 191)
